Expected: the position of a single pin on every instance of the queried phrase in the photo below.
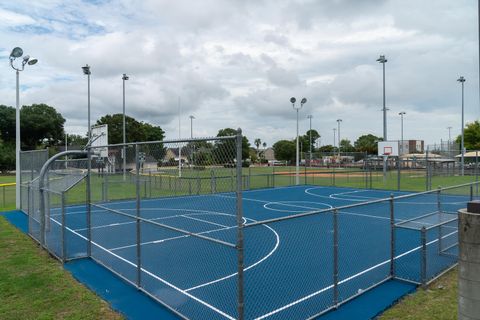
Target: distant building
(411, 146)
(269, 154)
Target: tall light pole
(17, 52)
(449, 139)
(334, 137)
(191, 125)
(462, 146)
(383, 60)
(310, 131)
(86, 71)
(401, 114)
(66, 149)
(338, 124)
(124, 78)
(297, 162)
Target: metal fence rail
(117, 204)
(417, 250)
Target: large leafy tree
(471, 136)
(284, 150)
(39, 124)
(136, 131)
(327, 148)
(225, 150)
(367, 143)
(346, 146)
(7, 123)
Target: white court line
(402, 201)
(287, 203)
(343, 281)
(249, 267)
(197, 212)
(172, 238)
(152, 275)
(205, 221)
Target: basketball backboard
(388, 148)
(100, 138)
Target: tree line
(43, 126)
(286, 149)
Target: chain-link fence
(167, 217)
(31, 163)
(153, 221)
(340, 253)
(410, 172)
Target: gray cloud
(237, 63)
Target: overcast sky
(237, 63)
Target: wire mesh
(165, 216)
(304, 268)
(30, 163)
(364, 248)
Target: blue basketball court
(185, 255)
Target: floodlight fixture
(31, 62)
(17, 52)
(293, 100)
(86, 69)
(382, 59)
(125, 77)
(304, 100)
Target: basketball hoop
(387, 151)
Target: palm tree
(257, 142)
(264, 148)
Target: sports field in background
(258, 177)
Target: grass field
(166, 182)
(7, 193)
(438, 301)
(35, 286)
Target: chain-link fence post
(273, 176)
(398, 173)
(423, 257)
(392, 236)
(89, 201)
(138, 239)
(150, 184)
(440, 229)
(476, 171)
(240, 253)
(63, 233)
(333, 174)
(103, 187)
(471, 192)
(213, 183)
(305, 174)
(335, 257)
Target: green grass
(7, 193)
(438, 301)
(35, 286)
(167, 183)
(7, 179)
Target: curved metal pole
(41, 185)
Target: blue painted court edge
(134, 305)
(298, 248)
